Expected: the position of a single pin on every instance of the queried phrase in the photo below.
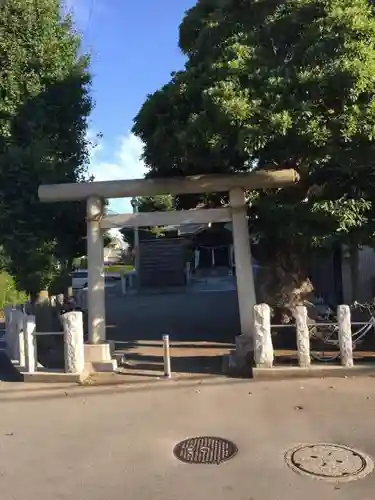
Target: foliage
(108, 240)
(44, 105)
(118, 268)
(80, 263)
(284, 84)
(159, 203)
(9, 295)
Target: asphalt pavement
(209, 316)
(106, 443)
(202, 327)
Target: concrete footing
(98, 358)
(232, 368)
(313, 371)
(240, 361)
(54, 377)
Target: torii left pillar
(97, 350)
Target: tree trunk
(284, 284)
(354, 271)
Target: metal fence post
(123, 284)
(167, 357)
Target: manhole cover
(331, 462)
(205, 450)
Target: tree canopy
(44, 106)
(158, 203)
(275, 84)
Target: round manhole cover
(330, 462)
(205, 450)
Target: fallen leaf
(298, 407)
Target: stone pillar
(73, 342)
(263, 348)
(29, 332)
(345, 336)
(95, 266)
(14, 338)
(242, 257)
(303, 337)
(97, 351)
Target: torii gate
(97, 351)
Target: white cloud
(125, 163)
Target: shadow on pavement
(8, 372)
(190, 364)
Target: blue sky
(134, 49)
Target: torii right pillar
(243, 357)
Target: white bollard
(29, 334)
(73, 342)
(303, 337)
(345, 336)
(263, 347)
(167, 357)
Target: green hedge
(9, 294)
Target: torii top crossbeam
(258, 179)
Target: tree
(282, 83)
(158, 203)
(44, 106)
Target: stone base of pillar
(98, 358)
(240, 361)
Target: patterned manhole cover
(205, 450)
(330, 462)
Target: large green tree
(44, 106)
(276, 83)
(158, 203)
